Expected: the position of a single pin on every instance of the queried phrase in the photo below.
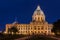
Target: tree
(56, 27)
(13, 29)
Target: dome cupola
(38, 15)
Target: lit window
(24, 28)
(42, 28)
(45, 31)
(26, 31)
(35, 27)
(38, 31)
(31, 28)
(19, 28)
(31, 31)
(48, 31)
(41, 18)
(41, 31)
(46, 28)
(49, 28)
(28, 28)
(38, 28)
(35, 18)
(21, 31)
(35, 31)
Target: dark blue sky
(23, 10)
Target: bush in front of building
(56, 27)
(10, 36)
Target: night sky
(23, 10)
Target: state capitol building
(38, 25)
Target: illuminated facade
(38, 25)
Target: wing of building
(38, 25)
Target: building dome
(38, 15)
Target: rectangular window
(38, 28)
(19, 28)
(34, 27)
(42, 28)
(46, 28)
(38, 31)
(41, 31)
